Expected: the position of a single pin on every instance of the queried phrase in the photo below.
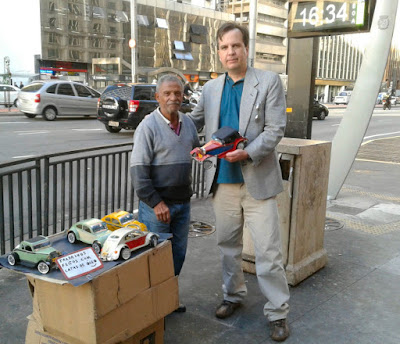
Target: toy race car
(224, 140)
(35, 252)
(121, 218)
(123, 241)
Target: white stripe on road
(31, 132)
(87, 129)
(14, 122)
(368, 137)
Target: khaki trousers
(233, 206)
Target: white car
(342, 98)
(123, 241)
(9, 95)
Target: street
(25, 137)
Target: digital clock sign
(320, 17)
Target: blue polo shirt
(230, 173)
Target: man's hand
(236, 155)
(162, 212)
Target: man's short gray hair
(168, 78)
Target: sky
(20, 35)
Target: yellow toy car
(120, 219)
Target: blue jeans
(179, 227)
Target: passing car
(8, 95)
(121, 218)
(90, 231)
(224, 140)
(319, 110)
(35, 252)
(123, 106)
(52, 99)
(342, 98)
(123, 241)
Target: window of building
(198, 34)
(269, 57)
(95, 55)
(143, 20)
(74, 54)
(74, 9)
(52, 53)
(52, 6)
(74, 41)
(73, 25)
(183, 56)
(96, 27)
(53, 38)
(99, 12)
(162, 23)
(121, 17)
(178, 45)
(52, 23)
(96, 42)
(112, 30)
(112, 45)
(111, 5)
(96, 2)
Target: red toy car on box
(224, 140)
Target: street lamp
(132, 41)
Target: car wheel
(71, 237)
(96, 247)
(12, 259)
(125, 253)
(29, 115)
(322, 115)
(153, 241)
(49, 113)
(43, 268)
(113, 130)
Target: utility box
(302, 209)
(112, 308)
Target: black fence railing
(47, 194)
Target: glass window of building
(73, 25)
(74, 9)
(121, 17)
(99, 12)
(162, 23)
(143, 20)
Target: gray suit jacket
(262, 121)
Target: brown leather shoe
(226, 309)
(279, 330)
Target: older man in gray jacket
(244, 184)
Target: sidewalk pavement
(353, 299)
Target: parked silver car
(57, 98)
(8, 95)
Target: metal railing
(47, 194)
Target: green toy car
(91, 231)
(35, 252)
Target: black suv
(124, 106)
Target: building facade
(87, 40)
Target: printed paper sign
(79, 263)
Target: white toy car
(123, 241)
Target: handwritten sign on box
(79, 263)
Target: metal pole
(133, 38)
(354, 124)
(252, 32)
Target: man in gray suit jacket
(244, 184)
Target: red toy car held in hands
(224, 140)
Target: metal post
(252, 32)
(133, 40)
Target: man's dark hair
(229, 26)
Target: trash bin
(302, 209)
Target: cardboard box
(114, 306)
(35, 334)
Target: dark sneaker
(226, 309)
(279, 330)
(181, 308)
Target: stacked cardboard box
(112, 308)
